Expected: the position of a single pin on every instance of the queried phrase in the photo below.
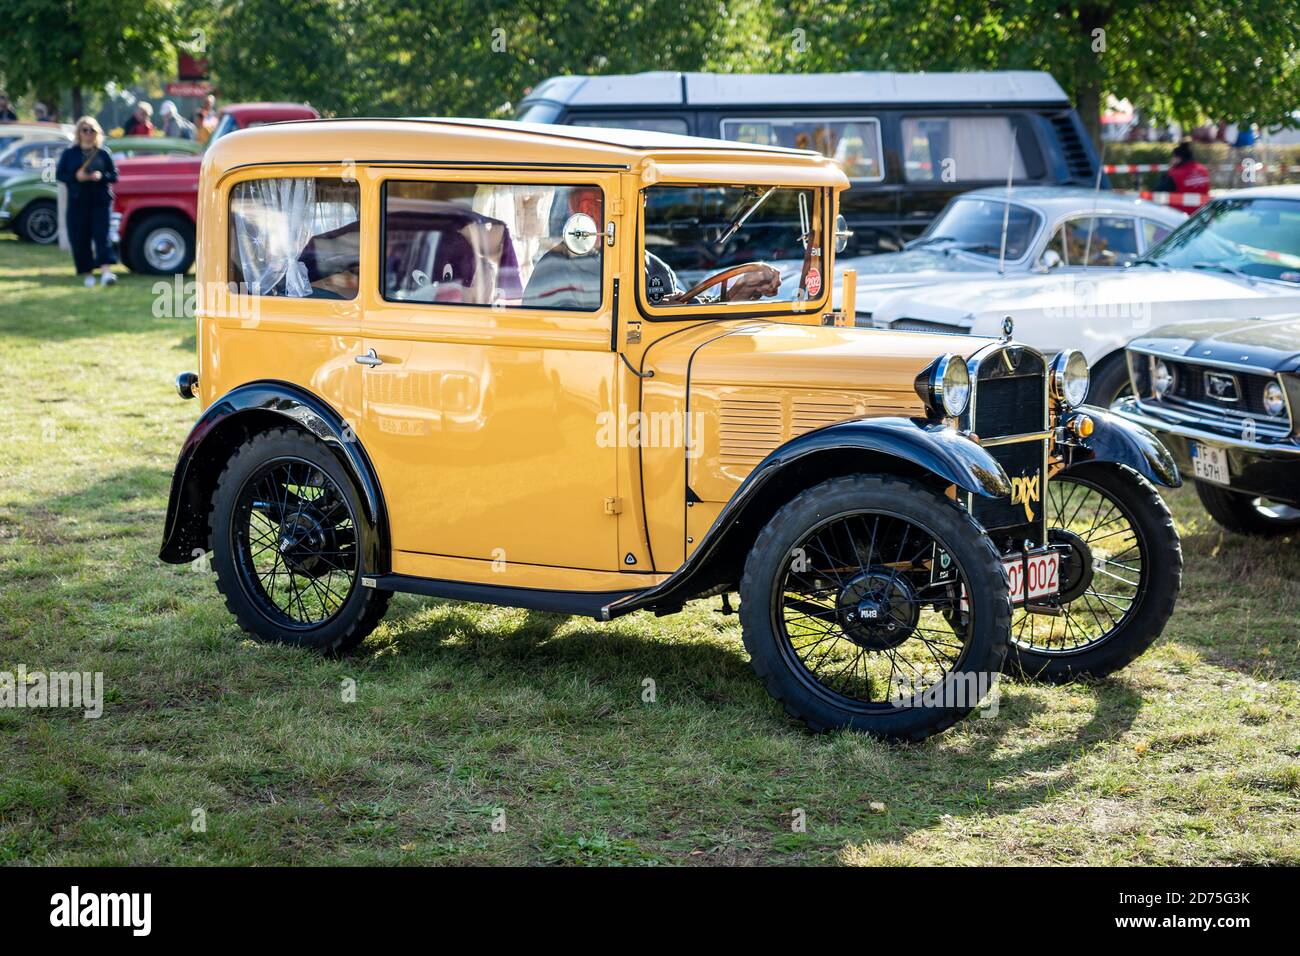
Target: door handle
(370, 359)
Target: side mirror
(1049, 260)
(580, 234)
(842, 233)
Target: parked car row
(29, 195)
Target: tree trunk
(78, 106)
(1088, 102)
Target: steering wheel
(723, 277)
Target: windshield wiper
(744, 218)
(1146, 261)
(1220, 267)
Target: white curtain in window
(983, 147)
(273, 224)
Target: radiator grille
(1009, 406)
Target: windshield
(975, 226)
(695, 233)
(1255, 237)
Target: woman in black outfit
(88, 170)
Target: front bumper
(1268, 469)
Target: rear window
(852, 143)
(296, 237)
(961, 149)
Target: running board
(585, 603)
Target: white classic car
(1047, 227)
(1238, 257)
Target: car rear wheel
(39, 223)
(1120, 576)
(875, 604)
(1248, 514)
(286, 545)
(162, 244)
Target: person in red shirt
(1186, 175)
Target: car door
(489, 375)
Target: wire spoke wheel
(869, 607)
(1102, 578)
(295, 543)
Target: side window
(657, 124)
(486, 244)
(1057, 244)
(1154, 231)
(971, 148)
(1113, 241)
(295, 236)
(854, 144)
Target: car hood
(1085, 309)
(1269, 343)
(769, 356)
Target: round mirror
(1050, 259)
(842, 233)
(580, 234)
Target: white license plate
(1209, 463)
(1042, 572)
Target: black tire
(322, 507)
(39, 223)
(161, 244)
(1103, 631)
(770, 579)
(1246, 514)
(1109, 381)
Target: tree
(48, 46)
(1185, 61)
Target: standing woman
(88, 170)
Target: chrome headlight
(945, 386)
(1070, 377)
(1162, 378)
(1274, 401)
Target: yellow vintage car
(537, 366)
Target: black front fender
(229, 422)
(1115, 440)
(904, 446)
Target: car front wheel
(286, 524)
(1121, 571)
(876, 604)
(1248, 514)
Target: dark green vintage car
(29, 201)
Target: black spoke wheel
(287, 541)
(295, 542)
(1120, 575)
(876, 604)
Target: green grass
(1188, 756)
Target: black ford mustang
(1224, 396)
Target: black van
(909, 142)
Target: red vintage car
(157, 197)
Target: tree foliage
(49, 46)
